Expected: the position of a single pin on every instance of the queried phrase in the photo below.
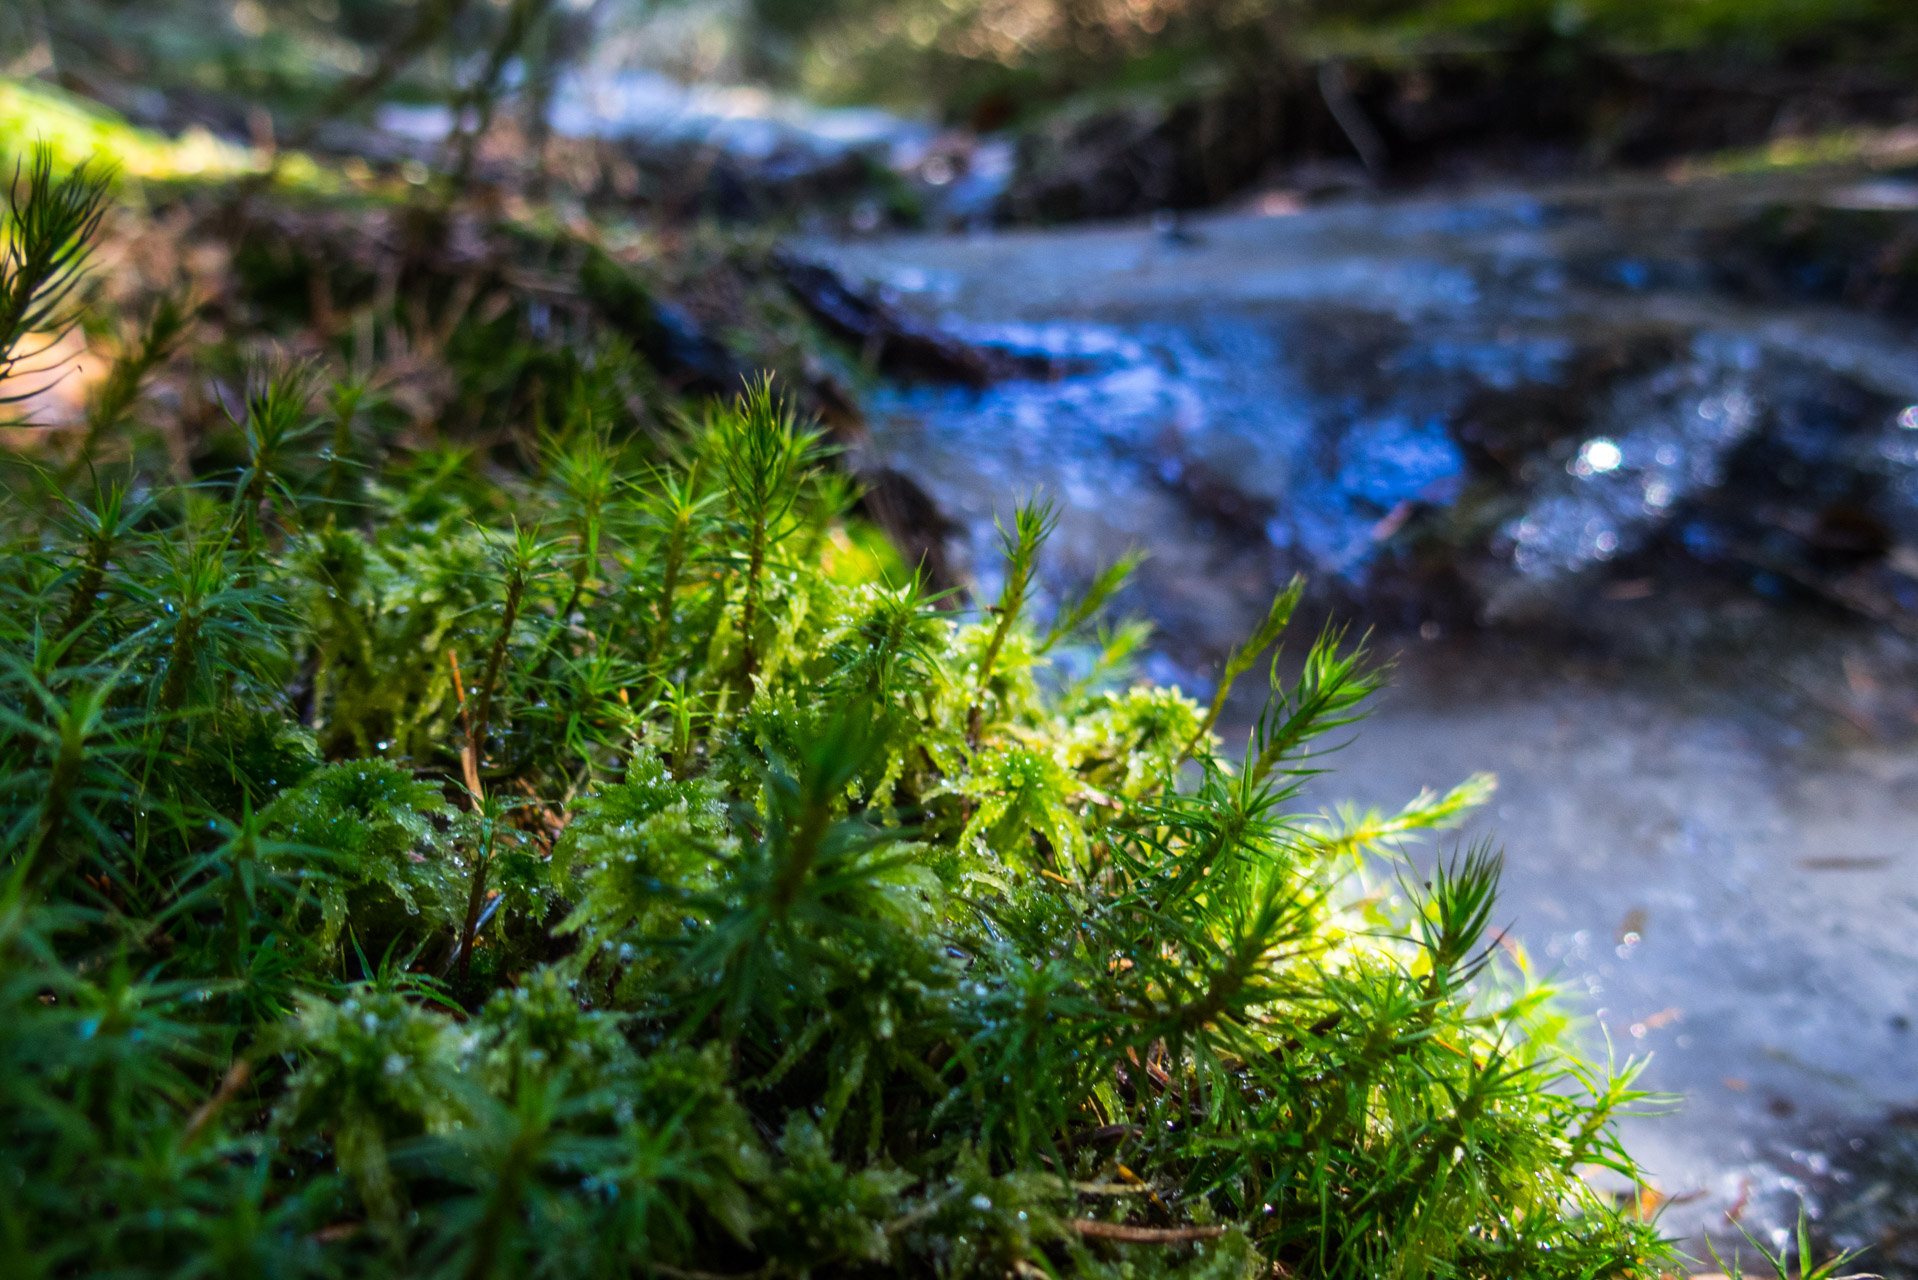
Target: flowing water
(1502, 424)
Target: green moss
(617, 865)
(34, 113)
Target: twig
(482, 96)
(1142, 1235)
(433, 19)
(235, 1079)
(1350, 117)
(469, 760)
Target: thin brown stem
(1142, 1235)
(469, 752)
(475, 898)
(749, 612)
(230, 1084)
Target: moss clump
(607, 869)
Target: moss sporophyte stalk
(424, 863)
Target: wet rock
(662, 331)
(918, 528)
(1233, 514)
(896, 343)
(1860, 249)
(1721, 453)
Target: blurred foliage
(290, 51)
(616, 862)
(76, 130)
(992, 58)
(1851, 28)
(32, 112)
(207, 61)
(277, 72)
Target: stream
(1641, 541)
